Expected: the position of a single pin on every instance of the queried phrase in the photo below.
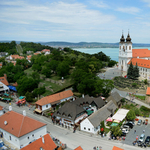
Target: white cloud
(57, 12)
(147, 1)
(129, 10)
(99, 4)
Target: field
(53, 84)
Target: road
(73, 140)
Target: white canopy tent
(120, 114)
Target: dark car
(123, 134)
(129, 124)
(147, 140)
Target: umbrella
(109, 119)
(114, 124)
(117, 121)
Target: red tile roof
(148, 91)
(17, 57)
(140, 62)
(36, 145)
(19, 125)
(45, 50)
(78, 148)
(117, 148)
(54, 98)
(4, 80)
(1, 108)
(140, 53)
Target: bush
(134, 84)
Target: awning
(37, 110)
(109, 119)
(6, 94)
(89, 112)
(13, 88)
(21, 97)
(117, 121)
(114, 124)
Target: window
(126, 47)
(32, 135)
(88, 129)
(129, 47)
(46, 106)
(84, 128)
(28, 137)
(10, 138)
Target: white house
(20, 130)
(70, 114)
(92, 123)
(1, 110)
(3, 87)
(47, 102)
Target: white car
(125, 130)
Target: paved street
(131, 136)
(73, 140)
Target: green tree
(63, 69)
(136, 72)
(111, 63)
(131, 115)
(116, 131)
(35, 75)
(46, 71)
(130, 70)
(29, 97)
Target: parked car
(125, 130)
(147, 140)
(132, 122)
(129, 124)
(142, 138)
(139, 122)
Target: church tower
(125, 52)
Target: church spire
(128, 39)
(122, 38)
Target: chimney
(10, 108)
(5, 76)
(82, 95)
(24, 113)
(43, 139)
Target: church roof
(122, 38)
(128, 39)
(140, 53)
(140, 62)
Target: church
(128, 55)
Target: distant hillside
(89, 44)
(83, 44)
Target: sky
(75, 20)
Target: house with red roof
(78, 148)
(46, 51)
(45, 143)
(1, 110)
(20, 130)
(4, 84)
(141, 57)
(14, 57)
(47, 102)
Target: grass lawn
(54, 86)
(29, 71)
(140, 97)
(19, 48)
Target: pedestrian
(100, 148)
(134, 131)
(143, 131)
(97, 148)
(137, 137)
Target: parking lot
(131, 136)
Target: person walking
(134, 131)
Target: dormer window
(63, 114)
(69, 116)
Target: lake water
(112, 52)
